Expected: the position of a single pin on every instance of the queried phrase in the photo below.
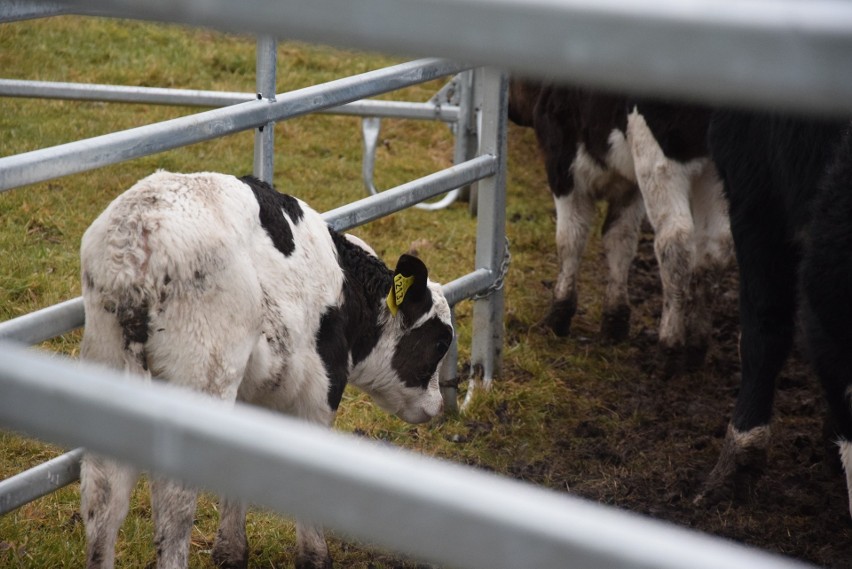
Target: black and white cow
(791, 220)
(638, 156)
(227, 287)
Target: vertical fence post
(448, 374)
(264, 137)
(466, 135)
(491, 88)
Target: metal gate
(466, 519)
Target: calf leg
(575, 213)
(665, 187)
(105, 498)
(311, 548)
(174, 509)
(620, 240)
(105, 484)
(230, 549)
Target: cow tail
(127, 261)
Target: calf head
(401, 373)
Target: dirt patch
(656, 465)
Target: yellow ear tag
(396, 294)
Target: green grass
(509, 430)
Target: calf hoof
(615, 324)
(230, 555)
(695, 357)
(741, 463)
(671, 361)
(559, 317)
(308, 561)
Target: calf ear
(409, 288)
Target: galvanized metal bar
(48, 163)
(264, 135)
(39, 481)
(398, 110)
(120, 93)
(16, 10)
(465, 128)
(201, 98)
(396, 199)
(469, 284)
(487, 344)
(448, 374)
(284, 464)
(792, 55)
(44, 324)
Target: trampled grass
(510, 430)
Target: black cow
(791, 220)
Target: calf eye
(442, 346)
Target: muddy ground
(798, 508)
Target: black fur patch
(134, 321)
(420, 350)
(273, 206)
(366, 284)
(353, 327)
(564, 118)
(332, 348)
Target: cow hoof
(230, 557)
(559, 317)
(671, 361)
(695, 357)
(314, 562)
(741, 463)
(615, 324)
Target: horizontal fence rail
(453, 515)
(74, 157)
(44, 324)
(40, 480)
(14, 10)
(203, 98)
(793, 55)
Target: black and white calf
(227, 287)
(638, 156)
(789, 184)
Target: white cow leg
(620, 240)
(105, 497)
(311, 548)
(575, 214)
(173, 505)
(665, 187)
(230, 550)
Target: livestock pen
(379, 533)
